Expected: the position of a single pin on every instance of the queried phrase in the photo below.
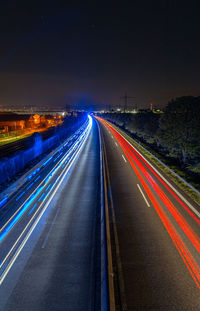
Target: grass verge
(181, 184)
(14, 139)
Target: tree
(179, 127)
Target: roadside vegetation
(11, 137)
(173, 137)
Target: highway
(154, 232)
(49, 236)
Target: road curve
(155, 229)
(58, 267)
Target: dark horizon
(99, 206)
(52, 52)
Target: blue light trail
(62, 163)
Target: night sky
(56, 52)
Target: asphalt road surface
(157, 232)
(49, 237)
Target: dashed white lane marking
(124, 158)
(147, 203)
(116, 144)
(165, 180)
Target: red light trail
(138, 165)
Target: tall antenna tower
(126, 97)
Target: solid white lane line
(143, 195)
(124, 158)
(56, 166)
(36, 212)
(10, 264)
(116, 144)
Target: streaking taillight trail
(185, 239)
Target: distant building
(12, 122)
(15, 122)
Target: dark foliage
(176, 132)
(179, 128)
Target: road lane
(16, 230)
(17, 197)
(159, 244)
(58, 268)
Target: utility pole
(125, 97)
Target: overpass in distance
(41, 112)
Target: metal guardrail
(107, 286)
(171, 171)
(115, 280)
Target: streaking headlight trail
(27, 216)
